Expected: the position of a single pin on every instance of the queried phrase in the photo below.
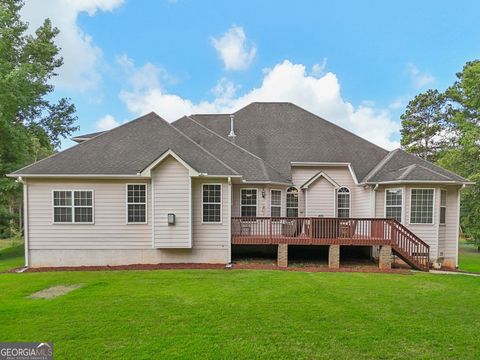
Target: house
(270, 174)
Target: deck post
(282, 255)
(334, 257)
(385, 257)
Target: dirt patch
(53, 292)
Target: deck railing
(332, 231)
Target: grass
(468, 257)
(11, 257)
(245, 314)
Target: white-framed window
(421, 206)
(394, 204)
(343, 202)
(136, 203)
(292, 202)
(275, 203)
(443, 207)
(248, 202)
(73, 206)
(212, 203)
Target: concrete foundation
(103, 257)
(282, 255)
(334, 256)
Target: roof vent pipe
(232, 135)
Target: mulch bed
(249, 266)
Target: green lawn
(468, 257)
(245, 314)
(11, 257)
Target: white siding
(210, 236)
(360, 197)
(320, 199)
(110, 230)
(171, 193)
(451, 227)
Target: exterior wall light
(171, 219)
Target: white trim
(418, 182)
(264, 182)
(318, 163)
(433, 208)
(373, 202)
(349, 201)
(146, 204)
(230, 193)
(385, 203)
(190, 211)
(354, 176)
(306, 202)
(256, 205)
(152, 184)
(90, 176)
(147, 171)
(440, 208)
(221, 204)
(72, 206)
(25, 221)
(281, 196)
(458, 226)
(316, 177)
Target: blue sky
(355, 63)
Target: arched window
(343, 203)
(292, 202)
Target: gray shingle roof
(281, 133)
(249, 165)
(127, 150)
(399, 165)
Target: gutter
(25, 220)
(229, 264)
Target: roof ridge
(263, 163)
(84, 142)
(201, 147)
(380, 165)
(431, 170)
(408, 170)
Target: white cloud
(319, 69)
(81, 56)
(233, 49)
(107, 122)
(419, 79)
(284, 82)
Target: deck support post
(334, 257)
(282, 255)
(385, 257)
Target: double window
(343, 203)
(248, 202)
(136, 203)
(276, 203)
(421, 206)
(73, 206)
(212, 203)
(393, 204)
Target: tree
(464, 159)
(425, 125)
(31, 126)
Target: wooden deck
(332, 231)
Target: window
(393, 204)
(136, 203)
(421, 203)
(73, 206)
(248, 204)
(443, 206)
(343, 203)
(292, 202)
(212, 203)
(276, 203)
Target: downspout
(458, 224)
(229, 264)
(25, 219)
